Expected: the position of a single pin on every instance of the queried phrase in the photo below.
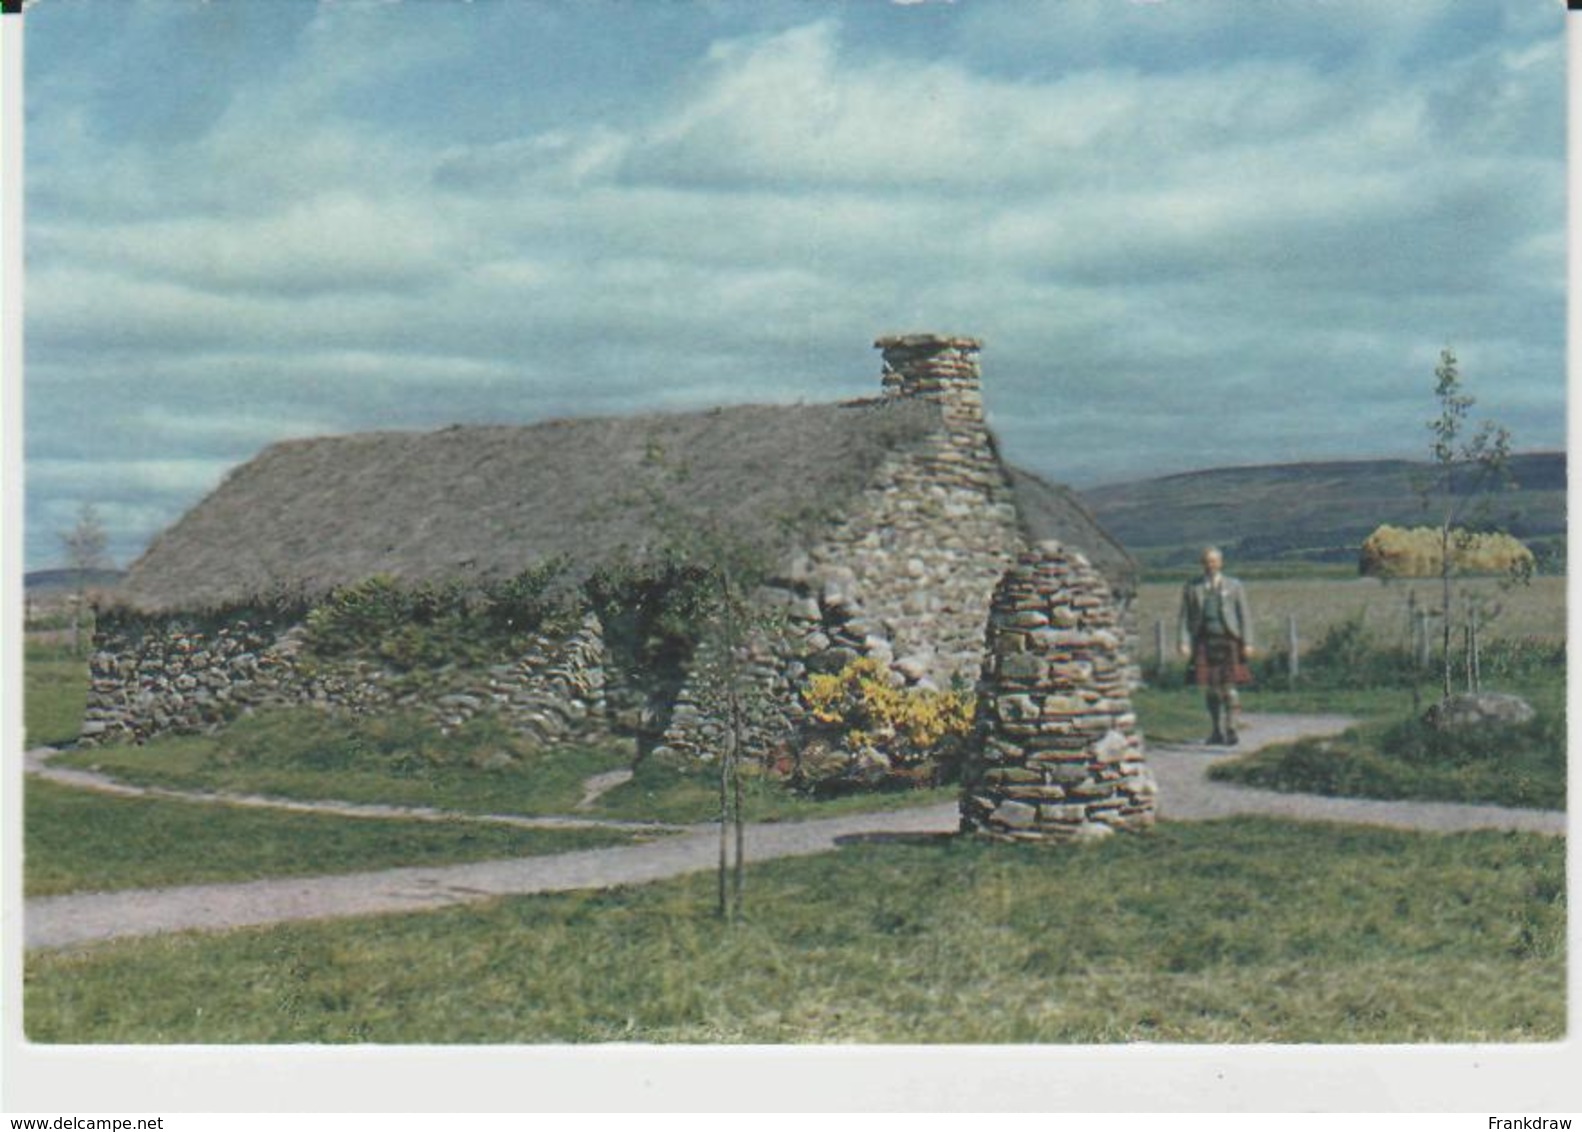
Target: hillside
(49, 583)
(1311, 512)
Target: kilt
(1217, 662)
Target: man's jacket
(1233, 606)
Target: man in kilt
(1215, 631)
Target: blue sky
(1191, 232)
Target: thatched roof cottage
(891, 518)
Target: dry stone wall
(1057, 755)
(174, 675)
(905, 576)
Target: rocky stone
(1092, 831)
(1113, 747)
(1019, 666)
(1015, 814)
(1468, 710)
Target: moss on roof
(481, 503)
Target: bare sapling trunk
(732, 824)
(736, 806)
(725, 826)
(1445, 604)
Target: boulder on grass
(1479, 709)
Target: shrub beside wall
(865, 726)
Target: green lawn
(1525, 767)
(1391, 755)
(78, 840)
(1177, 714)
(55, 694)
(1244, 931)
(306, 754)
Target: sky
(1191, 233)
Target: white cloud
(1123, 235)
(333, 242)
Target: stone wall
(910, 572)
(152, 677)
(905, 576)
(1057, 755)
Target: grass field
(56, 691)
(1245, 931)
(1391, 754)
(77, 840)
(1177, 715)
(297, 754)
(1537, 610)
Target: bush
(1346, 657)
(1349, 658)
(885, 733)
(429, 626)
(1522, 658)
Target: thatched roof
(1053, 511)
(485, 502)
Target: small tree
(85, 546)
(1467, 467)
(720, 571)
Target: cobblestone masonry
(175, 676)
(905, 576)
(1057, 755)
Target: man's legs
(1215, 698)
(1224, 705)
(1232, 704)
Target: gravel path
(1185, 795)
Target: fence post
(1159, 648)
(1473, 660)
(1293, 646)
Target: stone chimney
(935, 367)
(943, 368)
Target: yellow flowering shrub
(908, 725)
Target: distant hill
(46, 583)
(1313, 512)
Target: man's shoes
(1231, 739)
(1215, 740)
